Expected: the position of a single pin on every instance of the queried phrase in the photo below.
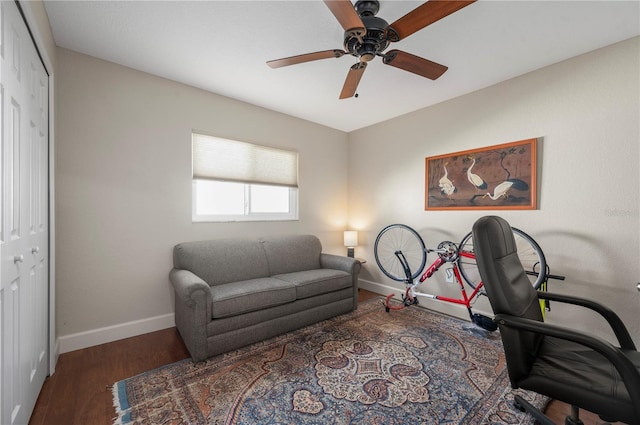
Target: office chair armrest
(618, 327)
(629, 373)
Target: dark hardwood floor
(79, 393)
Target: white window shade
(221, 159)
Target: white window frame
(247, 215)
(292, 215)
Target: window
(238, 181)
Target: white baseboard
(99, 336)
(449, 309)
(107, 334)
(53, 358)
(86, 339)
(379, 288)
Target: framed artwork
(500, 177)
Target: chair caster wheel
(387, 309)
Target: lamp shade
(350, 238)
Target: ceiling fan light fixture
(367, 36)
(372, 43)
(367, 57)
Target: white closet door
(24, 232)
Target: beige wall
(123, 186)
(123, 181)
(586, 113)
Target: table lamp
(350, 241)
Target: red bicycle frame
(411, 293)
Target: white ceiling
(222, 47)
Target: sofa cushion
(314, 282)
(295, 253)
(223, 260)
(235, 298)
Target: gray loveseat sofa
(233, 292)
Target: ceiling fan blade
(353, 79)
(424, 15)
(346, 14)
(307, 57)
(413, 63)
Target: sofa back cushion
(288, 254)
(223, 260)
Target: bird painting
(500, 191)
(499, 177)
(446, 185)
(475, 179)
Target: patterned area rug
(367, 367)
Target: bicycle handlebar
(549, 276)
(531, 273)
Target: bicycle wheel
(529, 252)
(396, 242)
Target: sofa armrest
(338, 262)
(190, 289)
(193, 310)
(346, 264)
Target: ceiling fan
(367, 36)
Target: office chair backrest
(509, 290)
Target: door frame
(31, 19)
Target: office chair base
(524, 406)
(573, 419)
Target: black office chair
(575, 367)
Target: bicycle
(401, 254)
